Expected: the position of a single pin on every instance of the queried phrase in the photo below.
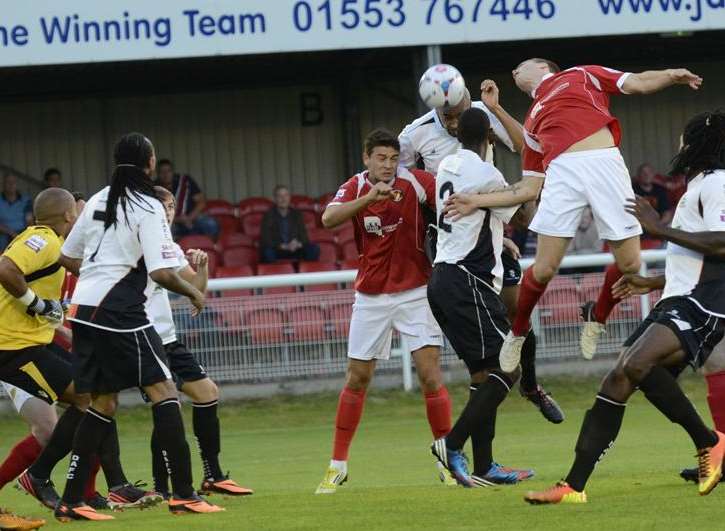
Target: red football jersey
(568, 107)
(390, 234)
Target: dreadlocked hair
(703, 146)
(129, 182)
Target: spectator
(190, 203)
(676, 186)
(283, 233)
(53, 178)
(586, 240)
(645, 185)
(16, 210)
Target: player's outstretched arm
(336, 214)
(490, 97)
(655, 80)
(527, 189)
(169, 279)
(633, 284)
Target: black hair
(129, 181)
(703, 146)
(279, 187)
(164, 162)
(553, 67)
(473, 127)
(78, 196)
(51, 171)
(380, 137)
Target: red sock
(90, 489)
(349, 412)
(606, 302)
(22, 455)
(438, 408)
(716, 399)
(531, 292)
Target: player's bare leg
(627, 260)
(349, 412)
(550, 251)
(528, 385)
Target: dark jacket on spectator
(272, 228)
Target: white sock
(339, 465)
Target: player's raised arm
(490, 97)
(197, 276)
(338, 213)
(655, 80)
(527, 189)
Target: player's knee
(544, 272)
(42, 432)
(629, 265)
(201, 391)
(161, 391)
(82, 401)
(636, 367)
(430, 381)
(106, 404)
(357, 380)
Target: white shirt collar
(547, 76)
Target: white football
(441, 85)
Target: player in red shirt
(571, 140)
(385, 204)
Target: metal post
(644, 299)
(407, 364)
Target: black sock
(109, 454)
(207, 432)
(528, 363)
(598, 432)
(158, 465)
(59, 445)
(481, 441)
(482, 405)
(662, 390)
(92, 430)
(169, 426)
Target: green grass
(280, 447)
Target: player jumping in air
(571, 140)
(432, 137)
(464, 296)
(384, 203)
(683, 327)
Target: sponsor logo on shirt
(36, 243)
(722, 215)
(373, 225)
(168, 252)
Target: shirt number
(445, 191)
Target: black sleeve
(193, 186)
(300, 228)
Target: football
(441, 85)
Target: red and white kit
(568, 107)
(394, 269)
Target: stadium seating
(234, 239)
(252, 224)
(560, 303)
(233, 272)
(346, 234)
(276, 269)
(227, 223)
(310, 218)
(197, 241)
(352, 263)
(328, 252)
(349, 251)
(219, 207)
(240, 256)
(306, 322)
(254, 204)
(316, 267)
(265, 325)
(213, 262)
(302, 202)
(318, 234)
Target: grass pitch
(280, 447)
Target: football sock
(21, 456)
(109, 454)
(606, 301)
(169, 427)
(599, 430)
(531, 292)
(349, 411)
(158, 465)
(90, 489)
(662, 390)
(716, 399)
(482, 405)
(482, 439)
(92, 430)
(207, 432)
(438, 409)
(528, 363)
(60, 443)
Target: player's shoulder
(415, 176)
(419, 124)
(713, 184)
(482, 106)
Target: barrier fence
(291, 327)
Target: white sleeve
(407, 151)
(712, 196)
(493, 181)
(75, 244)
(155, 236)
(498, 129)
(181, 257)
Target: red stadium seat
(240, 256)
(318, 234)
(328, 252)
(349, 251)
(310, 218)
(342, 227)
(650, 243)
(324, 199)
(302, 202)
(252, 224)
(233, 272)
(306, 322)
(254, 204)
(316, 267)
(227, 224)
(276, 269)
(265, 325)
(339, 316)
(560, 303)
(213, 262)
(346, 234)
(197, 241)
(235, 239)
(219, 207)
(353, 263)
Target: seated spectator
(16, 210)
(676, 186)
(53, 178)
(190, 203)
(283, 233)
(644, 185)
(586, 240)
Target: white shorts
(597, 178)
(375, 316)
(17, 395)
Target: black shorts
(109, 362)
(36, 370)
(184, 366)
(472, 316)
(511, 270)
(698, 331)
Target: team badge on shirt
(36, 243)
(396, 195)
